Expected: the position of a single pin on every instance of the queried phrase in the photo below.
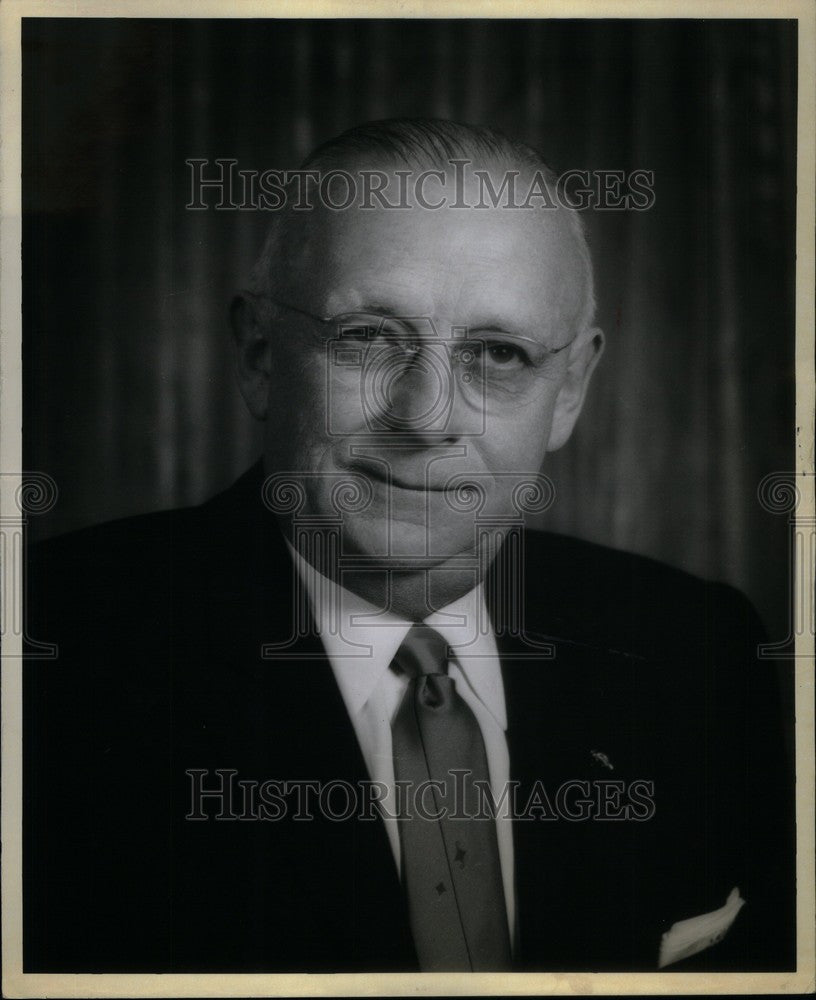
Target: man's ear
(584, 355)
(253, 353)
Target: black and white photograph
(407, 528)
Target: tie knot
(423, 651)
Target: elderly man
(350, 715)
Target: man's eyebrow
(491, 327)
(496, 326)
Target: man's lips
(404, 480)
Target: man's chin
(410, 540)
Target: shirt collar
(361, 640)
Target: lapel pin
(601, 758)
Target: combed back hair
(420, 141)
(427, 143)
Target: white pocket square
(687, 937)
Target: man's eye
(505, 355)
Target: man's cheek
(513, 446)
(338, 398)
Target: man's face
(413, 409)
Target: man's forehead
(474, 262)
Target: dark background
(130, 402)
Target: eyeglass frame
(328, 320)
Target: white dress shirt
(361, 642)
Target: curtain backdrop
(130, 401)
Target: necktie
(450, 865)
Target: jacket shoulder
(122, 571)
(144, 532)
(630, 602)
(102, 565)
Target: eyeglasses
(494, 362)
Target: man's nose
(421, 397)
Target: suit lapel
(572, 706)
(286, 884)
(575, 908)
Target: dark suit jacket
(160, 622)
